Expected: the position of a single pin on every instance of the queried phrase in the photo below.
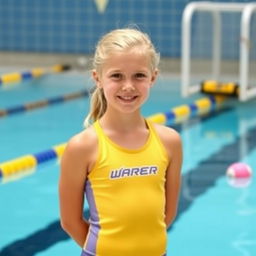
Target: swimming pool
(215, 217)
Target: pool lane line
(16, 77)
(174, 116)
(214, 167)
(182, 113)
(39, 241)
(27, 162)
(42, 103)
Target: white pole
(216, 53)
(225, 7)
(245, 92)
(185, 48)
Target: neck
(122, 123)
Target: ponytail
(98, 106)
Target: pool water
(216, 216)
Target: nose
(128, 85)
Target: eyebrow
(120, 71)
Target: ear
(96, 78)
(154, 77)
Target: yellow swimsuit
(126, 196)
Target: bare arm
(173, 178)
(172, 142)
(71, 190)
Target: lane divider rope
(42, 103)
(17, 77)
(176, 115)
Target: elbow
(170, 219)
(71, 225)
(65, 225)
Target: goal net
(216, 47)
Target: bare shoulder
(83, 142)
(167, 134)
(81, 150)
(169, 137)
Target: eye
(116, 76)
(140, 75)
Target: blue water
(216, 217)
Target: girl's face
(126, 79)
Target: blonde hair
(119, 40)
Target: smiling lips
(127, 98)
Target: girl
(127, 167)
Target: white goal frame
(247, 10)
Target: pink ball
(239, 170)
(239, 182)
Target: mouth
(127, 99)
